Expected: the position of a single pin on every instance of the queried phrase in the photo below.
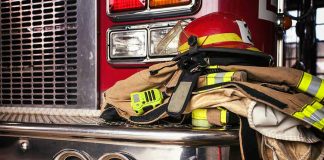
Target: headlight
(128, 44)
(169, 49)
(143, 43)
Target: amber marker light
(168, 3)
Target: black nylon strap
(248, 141)
(182, 94)
(150, 116)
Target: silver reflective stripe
(317, 115)
(219, 78)
(308, 120)
(314, 85)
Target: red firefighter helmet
(218, 30)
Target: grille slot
(39, 53)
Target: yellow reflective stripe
(299, 115)
(314, 111)
(318, 111)
(317, 105)
(308, 111)
(228, 76)
(253, 49)
(212, 67)
(312, 85)
(312, 114)
(220, 77)
(322, 122)
(305, 82)
(199, 114)
(215, 38)
(302, 117)
(211, 79)
(320, 93)
(223, 116)
(318, 125)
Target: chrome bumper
(144, 142)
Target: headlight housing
(140, 44)
(156, 37)
(128, 44)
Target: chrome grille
(40, 55)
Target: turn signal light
(126, 5)
(168, 3)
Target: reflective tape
(253, 49)
(200, 123)
(215, 38)
(199, 118)
(312, 85)
(212, 67)
(223, 116)
(312, 114)
(221, 77)
(199, 114)
(302, 117)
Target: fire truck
(57, 57)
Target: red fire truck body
(56, 116)
(259, 15)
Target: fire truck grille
(38, 60)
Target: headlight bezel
(149, 28)
(129, 56)
(151, 50)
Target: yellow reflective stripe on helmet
(215, 38)
(312, 114)
(253, 49)
(312, 85)
(220, 77)
(199, 114)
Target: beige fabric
(228, 98)
(294, 101)
(272, 149)
(283, 75)
(214, 116)
(119, 94)
(274, 124)
(238, 76)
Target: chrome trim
(119, 156)
(88, 59)
(280, 41)
(128, 31)
(68, 153)
(148, 27)
(47, 149)
(154, 13)
(124, 133)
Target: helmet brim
(232, 56)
